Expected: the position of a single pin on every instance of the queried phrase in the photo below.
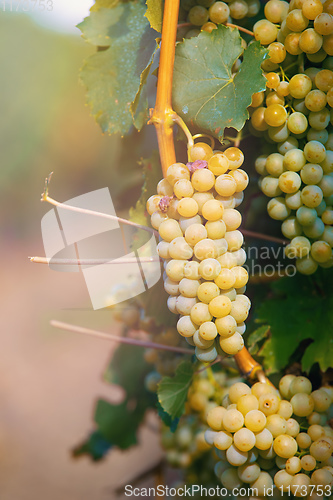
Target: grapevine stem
(190, 140)
(240, 28)
(89, 262)
(162, 115)
(116, 338)
(46, 197)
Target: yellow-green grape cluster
(207, 14)
(184, 445)
(299, 179)
(299, 26)
(196, 217)
(257, 437)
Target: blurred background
(49, 380)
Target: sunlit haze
(64, 16)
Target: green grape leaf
(128, 369)
(95, 446)
(117, 101)
(205, 92)
(154, 14)
(172, 423)
(301, 309)
(256, 337)
(172, 391)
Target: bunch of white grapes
(297, 115)
(196, 217)
(272, 444)
(205, 15)
(188, 443)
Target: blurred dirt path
(48, 383)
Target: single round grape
(200, 313)
(285, 409)
(321, 450)
(321, 477)
(169, 229)
(285, 446)
(319, 120)
(203, 180)
(208, 27)
(323, 24)
(311, 173)
(276, 11)
(293, 427)
(328, 44)
(279, 134)
(195, 233)
(220, 306)
(226, 279)
(185, 304)
(215, 229)
(233, 344)
(257, 99)
(215, 417)
(297, 123)
(275, 115)
(270, 186)
(326, 185)
(157, 218)
(288, 145)
(293, 465)
(296, 21)
(272, 82)
(263, 483)
(283, 88)
(275, 164)
(232, 219)
(176, 172)
(241, 178)
(238, 9)
(265, 32)
(306, 265)
(253, 8)
(172, 211)
(328, 235)
(218, 164)
(321, 399)
(315, 100)
(316, 431)
(291, 44)
(300, 85)
(180, 249)
(317, 135)
(226, 326)
(312, 8)
(314, 152)
(183, 188)
(294, 201)
(294, 160)
(311, 196)
(198, 15)
(277, 53)
(282, 480)
(310, 41)
(187, 207)
(276, 425)
(258, 120)
(255, 420)
(324, 80)
(306, 216)
(234, 239)
(244, 439)
(321, 251)
(209, 269)
(186, 327)
(227, 260)
(219, 12)
(223, 439)
(207, 292)
(205, 249)
(299, 247)
(289, 182)
(208, 330)
(188, 288)
(235, 157)
(327, 216)
(225, 185)
(152, 204)
(277, 208)
(291, 228)
(206, 355)
(303, 404)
